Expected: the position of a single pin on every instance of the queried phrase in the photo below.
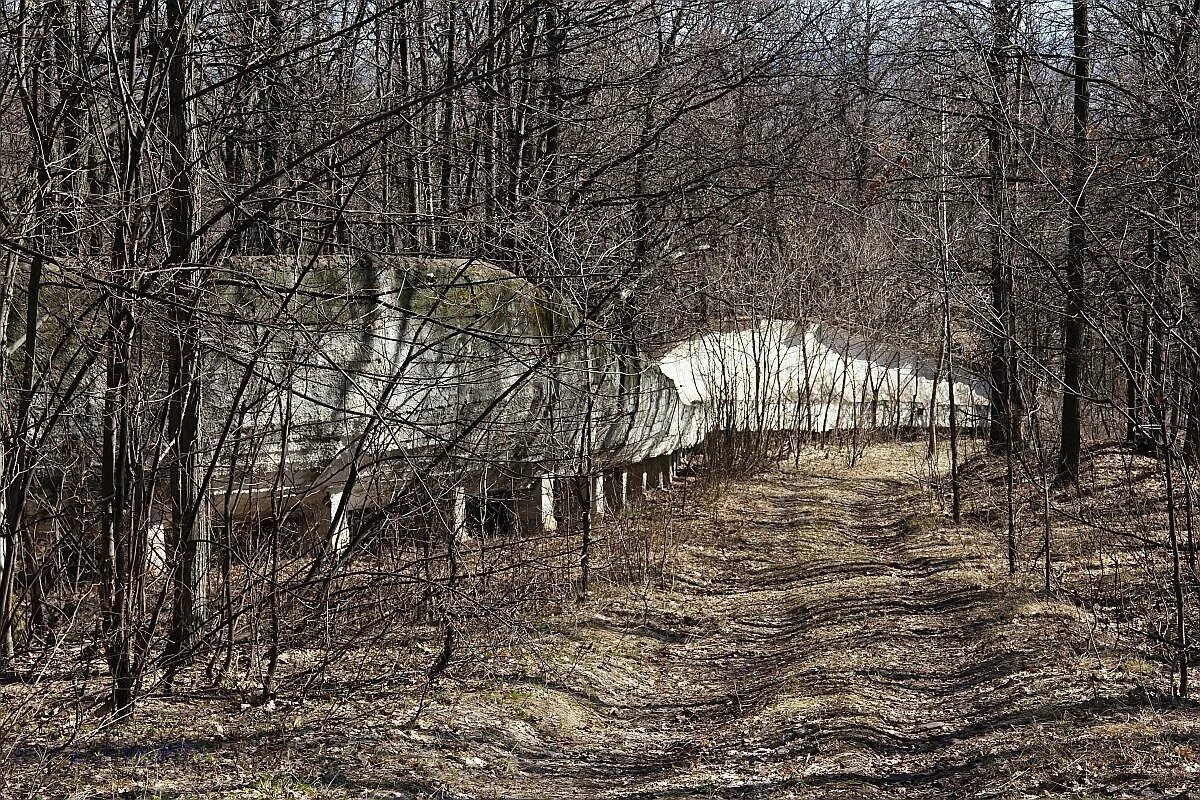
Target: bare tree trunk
(190, 523)
(1134, 358)
(115, 561)
(1073, 333)
(445, 160)
(1005, 431)
(1180, 610)
(19, 455)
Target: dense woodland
(1011, 184)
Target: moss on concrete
(333, 290)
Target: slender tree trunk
(115, 564)
(1181, 639)
(190, 523)
(1134, 358)
(1073, 332)
(955, 498)
(445, 159)
(1005, 430)
(1191, 440)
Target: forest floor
(820, 634)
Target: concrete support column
(458, 512)
(663, 471)
(322, 520)
(635, 481)
(534, 506)
(339, 521)
(570, 494)
(156, 543)
(549, 518)
(614, 490)
(598, 496)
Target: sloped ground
(822, 635)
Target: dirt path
(827, 639)
(835, 649)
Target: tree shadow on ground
(829, 648)
(898, 596)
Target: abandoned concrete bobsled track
(489, 397)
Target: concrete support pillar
(549, 518)
(534, 506)
(570, 494)
(663, 471)
(585, 496)
(339, 521)
(614, 490)
(156, 543)
(458, 512)
(635, 481)
(316, 514)
(598, 496)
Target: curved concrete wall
(781, 375)
(400, 369)
(395, 361)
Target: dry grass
(811, 632)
